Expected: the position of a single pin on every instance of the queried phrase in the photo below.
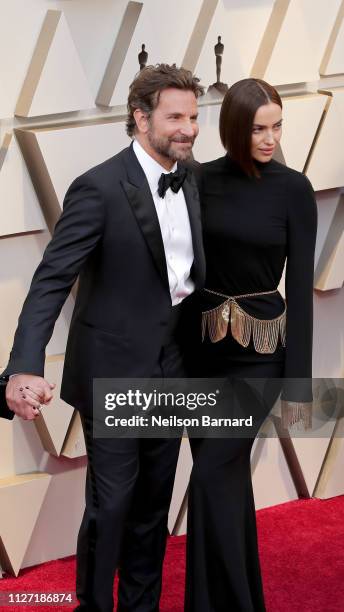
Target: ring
(39, 407)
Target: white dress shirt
(174, 225)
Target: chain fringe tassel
(264, 332)
(296, 412)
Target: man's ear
(141, 120)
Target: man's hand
(25, 394)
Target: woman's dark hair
(237, 113)
(144, 92)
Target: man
(131, 230)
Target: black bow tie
(173, 180)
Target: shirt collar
(150, 166)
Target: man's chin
(181, 154)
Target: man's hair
(238, 110)
(144, 91)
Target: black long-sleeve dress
(251, 227)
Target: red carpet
(302, 556)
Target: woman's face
(266, 131)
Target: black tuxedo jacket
(109, 236)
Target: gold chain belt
(264, 332)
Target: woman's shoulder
(206, 170)
(214, 170)
(294, 183)
(299, 194)
(294, 177)
(214, 165)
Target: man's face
(172, 128)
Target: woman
(257, 213)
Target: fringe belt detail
(264, 332)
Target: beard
(164, 145)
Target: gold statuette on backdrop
(143, 57)
(218, 86)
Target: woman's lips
(267, 151)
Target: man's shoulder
(108, 170)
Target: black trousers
(223, 571)
(129, 485)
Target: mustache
(183, 139)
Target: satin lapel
(140, 198)
(193, 205)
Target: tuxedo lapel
(140, 198)
(193, 205)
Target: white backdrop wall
(64, 75)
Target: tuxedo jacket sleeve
(76, 233)
(5, 412)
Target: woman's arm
(301, 237)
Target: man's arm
(76, 234)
